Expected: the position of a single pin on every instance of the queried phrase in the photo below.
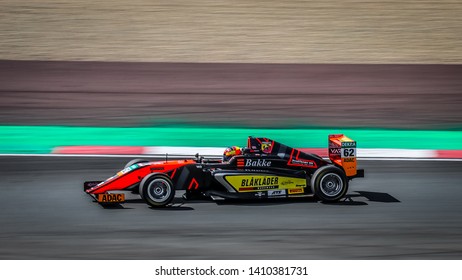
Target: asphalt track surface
(401, 210)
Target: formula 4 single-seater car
(265, 169)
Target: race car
(265, 169)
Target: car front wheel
(157, 190)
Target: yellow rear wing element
(342, 152)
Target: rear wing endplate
(342, 152)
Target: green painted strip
(42, 139)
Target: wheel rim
(331, 184)
(159, 190)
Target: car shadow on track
(356, 199)
(353, 199)
(113, 206)
(377, 197)
(176, 205)
(266, 202)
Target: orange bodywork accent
(342, 152)
(122, 180)
(110, 198)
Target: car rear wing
(342, 152)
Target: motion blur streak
(401, 210)
(271, 31)
(255, 95)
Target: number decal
(348, 152)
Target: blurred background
(327, 31)
(393, 64)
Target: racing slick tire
(157, 190)
(135, 161)
(329, 183)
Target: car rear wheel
(157, 190)
(329, 183)
(135, 161)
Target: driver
(230, 152)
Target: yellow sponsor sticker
(296, 191)
(110, 198)
(250, 183)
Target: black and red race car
(265, 169)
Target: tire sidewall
(144, 189)
(316, 183)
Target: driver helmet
(230, 152)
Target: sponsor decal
(240, 162)
(296, 161)
(92, 184)
(295, 191)
(276, 192)
(266, 147)
(128, 169)
(157, 168)
(257, 188)
(259, 181)
(245, 183)
(259, 194)
(257, 163)
(258, 170)
(335, 151)
(348, 144)
(302, 162)
(349, 160)
(287, 182)
(111, 198)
